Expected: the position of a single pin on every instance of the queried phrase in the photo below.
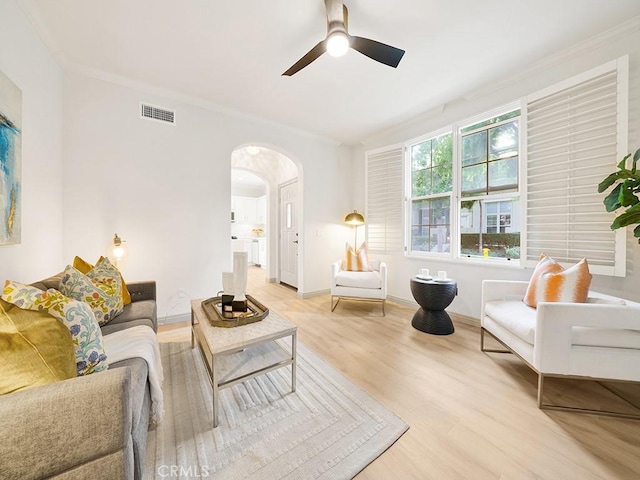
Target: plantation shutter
(385, 200)
(576, 134)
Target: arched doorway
(277, 170)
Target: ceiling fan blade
(380, 52)
(311, 55)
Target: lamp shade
(118, 250)
(354, 218)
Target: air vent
(158, 114)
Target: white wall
(609, 46)
(166, 189)
(26, 61)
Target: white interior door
(288, 234)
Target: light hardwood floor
(472, 415)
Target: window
(498, 217)
(489, 170)
(431, 186)
(490, 155)
(474, 189)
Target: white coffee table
(215, 342)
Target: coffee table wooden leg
(214, 386)
(193, 343)
(294, 359)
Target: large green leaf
(630, 217)
(612, 201)
(611, 179)
(623, 163)
(636, 157)
(626, 196)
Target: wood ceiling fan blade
(311, 55)
(380, 52)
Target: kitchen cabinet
(249, 210)
(244, 209)
(262, 252)
(261, 209)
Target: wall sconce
(354, 219)
(118, 250)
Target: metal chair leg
(333, 307)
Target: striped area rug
(328, 429)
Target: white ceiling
(232, 53)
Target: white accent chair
(597, 340)
(370, 286)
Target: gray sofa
(85, 427)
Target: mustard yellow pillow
(83, 267)
(36, 349)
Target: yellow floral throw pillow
(100, 288)
(84, 267)
(77, 316)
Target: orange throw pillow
(552, 283)
(357, 261)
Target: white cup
(442, 275)
(424, 272)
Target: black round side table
(433, 297)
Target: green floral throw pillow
(77, 316)
(101, 288)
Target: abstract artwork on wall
(10, 161)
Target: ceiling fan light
(337, 44)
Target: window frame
(455, 195)
(409, 198)
(527, 235)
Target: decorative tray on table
(213, 309)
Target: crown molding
(30, 9)
(625, 29)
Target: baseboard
(456, 317)
(172, 319)
(317, 293)
(465, 319)
(403, 301)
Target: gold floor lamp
(354, 219)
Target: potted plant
(624, 194)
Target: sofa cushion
(100, 288)
(346, 278)
(520, 320)
(114, 326)
(515, 316)
(36, 349)
(75, 315)
(47, 283)
(85, 267)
